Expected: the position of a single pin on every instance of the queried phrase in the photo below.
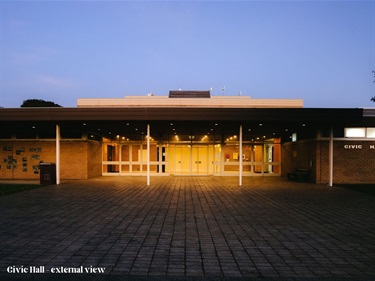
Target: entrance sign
(358, 146)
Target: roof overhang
(182, 120)
(326, 115)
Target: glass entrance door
(199, 160)
(183, 160)
(191, 160)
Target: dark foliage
(38, 103)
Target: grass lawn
(13, 188)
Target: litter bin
(47, 173)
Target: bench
(299, 175)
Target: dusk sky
(319, 51)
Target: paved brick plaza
(191, 227)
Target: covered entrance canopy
(107, 122)
(194, 134)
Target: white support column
(160, 163)
(119, 158)
(222, 160)
(330, 158)
(240, 156)
(148, 154)
(58, 137)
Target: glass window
(371, 133)
(355, 132)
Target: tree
(38, 103)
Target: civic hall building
(189, 133)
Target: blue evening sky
(319, 51)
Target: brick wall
(354, 161)
(299, 155)
(73, 160)
(27, 155)
(94, 159)
(20, 159)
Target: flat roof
(194, 100)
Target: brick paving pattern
(192, 227)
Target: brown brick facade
(353, 160)
(81, 159)
(20, 159)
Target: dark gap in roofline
(190, 94)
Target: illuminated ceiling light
(286, 130)
(303, 125)
(216, 124)
(171, 124)
(118, 136)
(123, 138)
(249, 130)
(136, 129)
(84, 124)
(127, 124)
(260, 124)
(33, 127)
(110, 133)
